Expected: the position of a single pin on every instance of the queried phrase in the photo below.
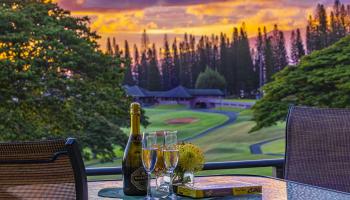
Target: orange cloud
(207, 18)
(113, 22)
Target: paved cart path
(256, 148)
(232, 116)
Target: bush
(210, 79)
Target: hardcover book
(217, 188)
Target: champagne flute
(171, 158)
(149, 158)
(159, 170)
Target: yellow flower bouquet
(191, 160)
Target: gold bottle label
(139, 179)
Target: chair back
(51, 169)
(318, 147)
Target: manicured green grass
(226, 144)
(277, 146)
(158, 118)
(170, 107)
(225, 108)
(262, 171)
(232, 142)
(242, 100)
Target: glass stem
(149, 194)
(171, 184)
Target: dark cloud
(97, 5)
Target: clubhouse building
(193, 98)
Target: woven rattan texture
(318, 147)
(53, 180)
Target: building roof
(178, 92)
(134, 91)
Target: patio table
(272, 189)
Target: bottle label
(139, 179)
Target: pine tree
(145, 44)
(216, 55)
(136, 68)
(176, 61)
(224, 68)
(322, 27)
(299, 44)
(114, 44)
(246, 77)
(192, 61)
(280, 59)
(333, 29)
(185, 65)
(202, 58)
(128, 77)
(143, 71)
(337, 22)
(311, 35)
(167, 66)
(268, 57)
(109, 49)
(259, 58)
(154, 78)
(294, 49)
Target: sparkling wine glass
(159, 170)
(149, 158)
(171, 158)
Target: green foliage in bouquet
(322, 79)
(191, 159)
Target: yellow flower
(191, 158)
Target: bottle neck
(135, 124)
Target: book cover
(217, 188)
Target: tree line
(245, 69)
(321, 79)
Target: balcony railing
(276, 164)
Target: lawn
(226, 108)
(226, 144)
(242, 100)
(158, 117)
(277, 146)
(232, 143)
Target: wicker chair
(51, 169)
(318, 147)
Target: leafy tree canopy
(210, 79)
(321, 79)
(54, 82)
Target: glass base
(170, 197)
(150, 198)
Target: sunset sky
(125, 20)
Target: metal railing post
(278, 171)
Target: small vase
(188, 178)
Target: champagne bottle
(134, 175)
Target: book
(217, 188)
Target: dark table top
(272, 189)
